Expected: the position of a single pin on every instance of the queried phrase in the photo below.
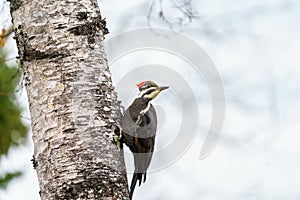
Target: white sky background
(255, 47)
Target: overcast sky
(254, 45)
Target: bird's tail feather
(136, 176)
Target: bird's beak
(153, 94)
(161, 88)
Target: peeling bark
(72, 101)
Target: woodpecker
(138, 129)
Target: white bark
(72, 101)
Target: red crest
(140, 84)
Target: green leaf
(7, 178)
(12, 129)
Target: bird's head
(149, 90)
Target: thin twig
(185, 8)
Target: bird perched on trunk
(138, 129)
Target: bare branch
(184, 8)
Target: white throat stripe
(145, 91)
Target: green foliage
(7, 178)
(12, 130)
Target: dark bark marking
(90, 28)
(82, 16)
(34, 162)
(31, 54)
(15, 5)
(84, 29)
(103, 23)
(69, 130)
(28, 53)
(60, 26)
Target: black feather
(140, 139)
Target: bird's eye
(146, 87)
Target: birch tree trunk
(72, 101)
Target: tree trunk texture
(72, 101)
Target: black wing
(140, 138)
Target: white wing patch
(138, 121)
